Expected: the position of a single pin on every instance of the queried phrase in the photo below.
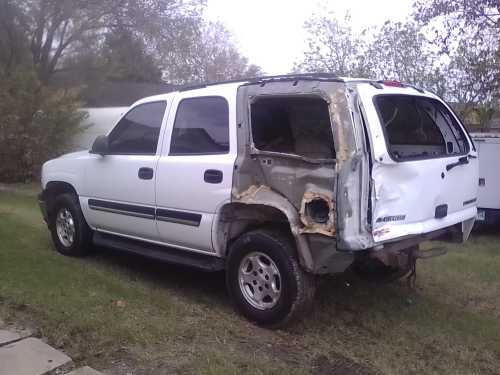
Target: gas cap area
(317, 213)
(318, 210)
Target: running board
(158, 252)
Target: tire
(289, 294)
(79, 243)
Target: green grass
(114, 311)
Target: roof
(201, 89)
(326, 77)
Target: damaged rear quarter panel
(297, 180)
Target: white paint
(180, 178)
(410, 188)
(115, 178)
(488, 146)
(415, 188)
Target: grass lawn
(122, 314)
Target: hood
(66, 168)
(74, 155)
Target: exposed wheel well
(54, 189)
(238, 218)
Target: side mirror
(100, 145)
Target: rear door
(425, 168)
(194, 174)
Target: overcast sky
(270, 32)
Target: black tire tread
(82, 244)
(305, 282)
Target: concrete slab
(6, 337)
(10, 335)
(30, 357)
(85, 370)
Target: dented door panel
(411, 197)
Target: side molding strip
(171, 216)
(122, 208)
(179, 217)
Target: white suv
(276, 180)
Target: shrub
(37, 123)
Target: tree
(212, 56)
(468, 32)
(396, 50)
(125, 58)
(128, 39)
(472, 76)
(400, 51)
(14, 50)
(463, 14)
(57, 28)
(36, 124)
(333, 48)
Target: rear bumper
(43, 206)
(391, 232)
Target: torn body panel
(317, 213)
(354, 198)
(424, 178)
(263, 196)
(304, 187)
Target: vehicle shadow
(342, 293)
(191, 282)
(489, 230)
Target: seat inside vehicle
(297, 125)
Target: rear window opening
(293, 125)
(418, 127)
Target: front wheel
(70, 233)
(265, 280)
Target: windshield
(419, 127)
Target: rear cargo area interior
(419, 127)
(297, 125)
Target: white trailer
(488, 200)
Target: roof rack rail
(330, 77)
(264, 79)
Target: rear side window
(294, 125)
(201, 127)
(138, 131)
(418, 127)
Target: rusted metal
(265, 196)
(310, 226)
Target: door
(195, 169)
(425, 167)
(120, 186)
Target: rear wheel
(70, 233)
(265, 280)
